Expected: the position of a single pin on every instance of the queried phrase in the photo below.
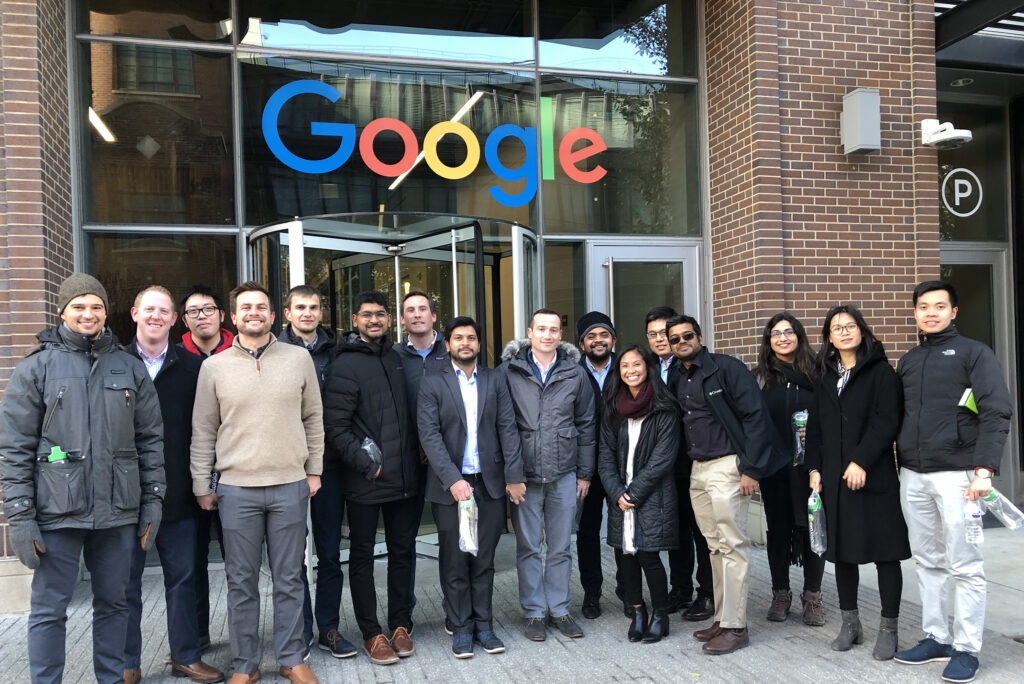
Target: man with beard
(258, 422)
(369, 432)
(468, 430)
(304, 312)
(729, 441)
(595, 335)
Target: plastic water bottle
(973, 526)
(799, 432)
(1004, 510)
(816, 524)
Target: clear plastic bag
(468, 514)
(371, 449)
(816, 524)
(629, 531)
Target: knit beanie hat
(589, 321)
(79, 284)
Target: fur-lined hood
(517, 349)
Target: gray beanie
(79, 284)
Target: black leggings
(890, 586)
(657, 580)
(779, 515)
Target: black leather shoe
(627, 609)
(658, 627)
(638, 627)
(591, 606)
(703, 608)
(679, 599)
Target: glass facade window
(196, 20)
(158, 137)
(128, 262)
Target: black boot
(638, 627)
(658, 627)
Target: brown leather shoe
(198, 672)
(300, 674)
(380, 651)
(401, 642)
(708, 633)
(728, 641)
(133, 676)
(242, 678)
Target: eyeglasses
(676, 339)
(207, 310)
(655, 334)
(788, 332)
(370, 315)
(840, 329)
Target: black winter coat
(365, 396)
(859, 425)
(784, 398)
(323, 352)
(176, 388)
(652, 487)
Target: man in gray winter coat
(81, 464)
(554, 406)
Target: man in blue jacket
(81, 465)
(729, 441)
(956, 415)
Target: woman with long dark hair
(853, 422)
(639, 441)
(786, 370)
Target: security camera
(942, 136)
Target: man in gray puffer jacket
(81, 464)
(554, 407)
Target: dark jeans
(401, 521)
(780, 515)
(890, 586)
(327, 512)
(693, 548)
(588, 541)
(207, 528)
(106, 556)
(175, 544)
(650, 563)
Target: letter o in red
(375, 165)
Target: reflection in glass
(497, 31)
(158, 137)
(975, 316)
(638, 287)
(127, 262)
(201, 20)
(645, 37)
(973, 178)
(565, 283)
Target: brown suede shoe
(300, 674)
(133, 676)
(242, 678)
(380, 651)
(708, 633)
(728, 641)
(402, 643)
(198, 672)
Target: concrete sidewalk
(779, 652)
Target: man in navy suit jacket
(467, 429)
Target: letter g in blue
(347, 132)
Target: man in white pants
(955, 420)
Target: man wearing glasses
(371, 435)
(693, 548)
(729, 442)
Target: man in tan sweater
(258, 421)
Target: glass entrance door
(628, 280)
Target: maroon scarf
(629, 406)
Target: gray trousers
(250, 515)
(547, 513)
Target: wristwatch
(984, 473)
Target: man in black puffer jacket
(956, 415)
(365, 399)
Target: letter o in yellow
(434, 135)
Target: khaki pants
(721, 513)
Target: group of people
(110, 451)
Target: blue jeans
(106, 556)
(326, 512)
(175, 544)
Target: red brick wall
(35, 179)
(795, 223)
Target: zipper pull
(257, 366)
(127, 399)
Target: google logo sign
(569, 153)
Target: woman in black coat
(786, 370)
(639, 442)
(853, 423)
